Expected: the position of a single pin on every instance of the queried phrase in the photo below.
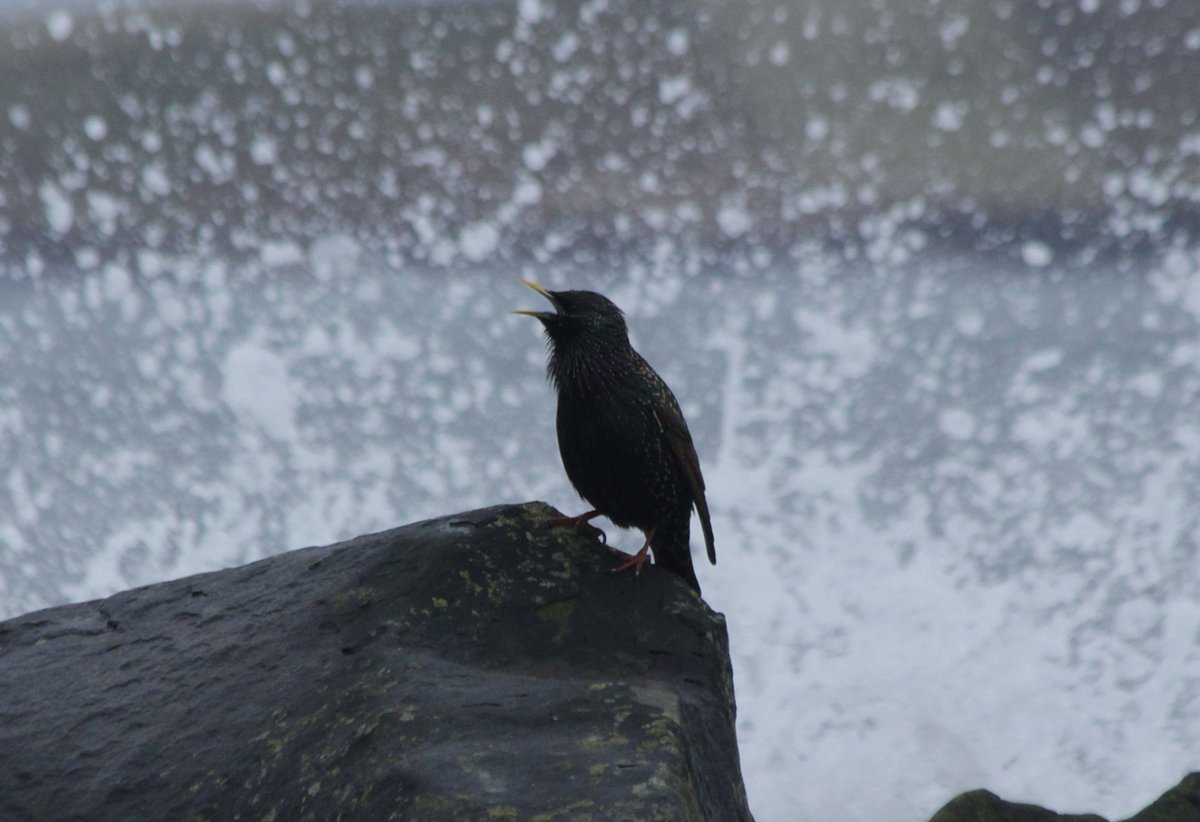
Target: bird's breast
(615, 455)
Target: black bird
(622, 438)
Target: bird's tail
(673, 551)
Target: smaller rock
(1180, 804)
(985, 806)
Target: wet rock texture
(483, 665)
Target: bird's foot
(636, 561)
(582, 522)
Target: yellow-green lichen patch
(354, 598)
(508, 521)
(576, 811)
(661, 733)
(485, 779)
(566, 569)
(439, 602)
(559, 613)
(538, 511)
(516, 525)
(472, 586)
(658, 783)
(406, 712)
(602, 742)
(365, 729)
(497, 588)
(660, 698)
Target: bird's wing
(679, 439)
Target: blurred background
(925, 277)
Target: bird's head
(579, 317)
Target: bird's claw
(587, 527)
(581, 522)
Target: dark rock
(479, 665)
(1180, 804)
(985, 806)
(1176, 805)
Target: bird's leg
(637, 560)
(582, 521)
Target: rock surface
(1180, 804)
(478, 665)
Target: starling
(623, 440)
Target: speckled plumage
(623, 440)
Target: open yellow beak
(545, 293)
